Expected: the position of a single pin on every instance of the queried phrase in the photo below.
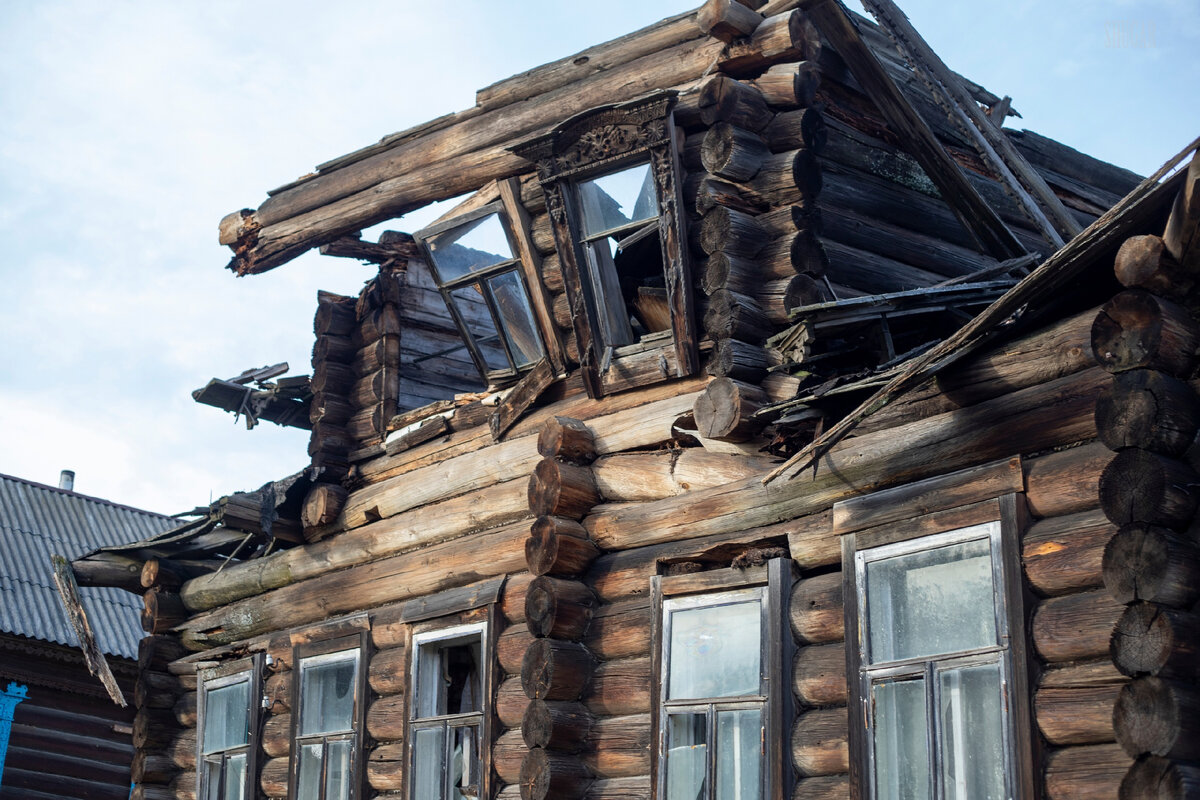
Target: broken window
(447, 713)
(473, 263)
(228, 712)
(610, 179)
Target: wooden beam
(68, 592)
(835, 23)
(993, 145)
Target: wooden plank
(531, 268)
(975, 214)
(451, 601)
(523, 395)
(999, 153)
(68, 592)
(932, 494)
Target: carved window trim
(592, 144)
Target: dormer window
(609, 176)
(472, 260)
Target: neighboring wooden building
(66, 738)
(762, 447)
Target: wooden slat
(451, 601)
(927, 496)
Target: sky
(129, 128)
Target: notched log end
(239, 232)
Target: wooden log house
(768, 420)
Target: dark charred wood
(559, 489)
(556, 670)
(732, 232)
(796, 253)
(156, 768)
(724, 271)
(332, 378)
(383, 352)
(559, 547)
(378, 323)
(723, 99)
(162, 610)
(108, 569)
(738, 360)
(330, 407)
(1152, 640)
(1160, 717)
(1148, 409)
(154, 728)
(566, 439)
(558, 608)
(778, 297)
(1143, 562)
(333, 348)
(561, 726)
(784, 37)
(335, 315)
(1139, 486)
(1136, 330)
(546, 774)
(735, 316)
(322, 505)
(732, 153)
(725, 411)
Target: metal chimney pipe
(66, 480)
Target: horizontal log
(567, 439)
(1142, 487)
(1154, 564)
(1163, 642)
(789, 85)
(561, 489)
(558, 546)
(820, 742)
(740, 361)
(386, 718)
(182, 750)
(1154, 778)
(546, 774)
(1066, 481)
(1143, 262)
(388, 673)
(562, 726)
(1064, 554)
(511, 646)
(556, 670)
(1148, 409)
(621, 629)
(637, 788)
(277, 689)
(725, 410)
(385, 767)
(727, 19)
(1075, 626)
(819, 675)
(558, 608)
(508, 751)
(1041, 417)
(512, 597)
(1086, 773)
(824, 787)
(1136, 330)
(154, 728)
(816, 609)
(1077, 714)
(619, 747)
(620, 687)
(511, 702)
(273, 779)
(186, 709)
(152, 767)
(1160, 717)
(723, 99)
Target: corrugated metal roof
(38, 521)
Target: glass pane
(226, 717)
(464, 766)
(469, 248)
(901, 749)
(337, 772)
(739, 754)
(687, 756)
(516, 317)
(449, 679)
(327, 695)
(930, 602)
(308, 784)
(212, 779)
(715, 651)
(427, 762)
(235, 777)
(471, 306)
(973, 733)
(617, 199)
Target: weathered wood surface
(1148, 409)
(1152, 564)
(387, 672)
(562, 726)
(556, 670)
(1065, 554)
(546, 774)
(621, 629)
(816, 609)
(401, 577)
(1066, 481)
(1160, 717)
(820, 742)
(1138, 486)
(559, 489)
(511, 702)
(508, 751)
(619, 747)
(819, 675)
(1137, 330)
(1143, 262)
(385, 767)
(824, 787)
(620, 687)
(1154, 778)
(1076, 715)
(567, 439)
(1085, 773)
(1041, 417)
(1075, 626)
(1182, 234)
(1163, 642)
(558, 546)
(558, 608)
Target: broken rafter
(1015, 173)
(1106, 232)
(393, 249)
(68, 592)
(980, 219)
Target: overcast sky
(128, 129)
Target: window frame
(921, 533)
(515, 265)
(480, 631)
(592, 144)
(217, 678)
(356, 642)
(772, 584)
